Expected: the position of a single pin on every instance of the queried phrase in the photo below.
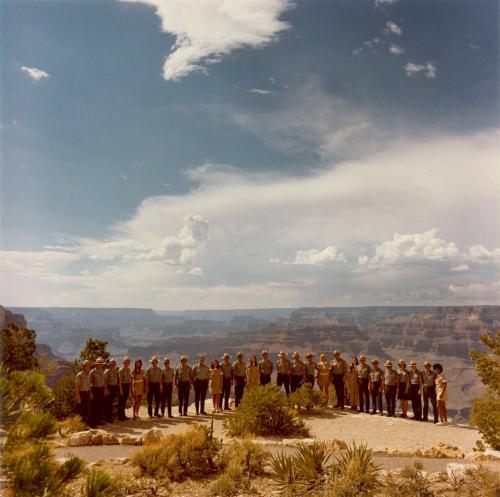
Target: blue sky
(172, 154)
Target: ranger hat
(239, 354)
(336, 352)
(388, 362)
(165, 359)
(154, 359)
(184, 358)
(86, 363)
(282, 352)
(202, 356)
(100, 360)
(126, 358)
(112, 361)
(226, 355)
(427, 363)
(374, 360)
(413, 363)
(309, 354)
(296, 354)
(362, 356)
(402, 361)
(265, 352)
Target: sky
(173, 154)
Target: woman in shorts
(441, 393)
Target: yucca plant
(70, 468)
(284, 472)
(313, 464)
(98, 484)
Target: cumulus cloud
(314, 257)
(196, 271)
(479, 253)
(34, 73)
(480, 292)
(392, 28)
(429, 69)
(396, 49)
(462, 268)
(383, 3)
(207, 30)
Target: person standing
(297, 372)
(416, 382)
(429, 384)
(215, 377)
(441, 393)
(284, 370)
(183, 380)
(323, 377)
(376, 387)
(84, 394)
(240, 378)
(352, 384)
(390, 386)
(253, 373)
(138, 386)
(227, 381)
(125, 390)
(153, 387)
(403, 387)
(266, 368)
(310, 368)
(363, 371)
(167, 384)
(200, 376)
(339, 372)
(99, 391)
(112, 382)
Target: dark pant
(416, 401)
(183, 388)
(265, 379)
(377, 397)
(166, 398)
(338, 383)
(226, 392)
(122, 400)
(239, 388)
(113, 393)
(390, 398)
(97, 405)
(284, 379)
(154, 392)
(364, 394)
(84, 407)
(200, 392)
(295, 382)
(430, 394)
(310, 379)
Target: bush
(265, 411)
(480, 481)
(70, 425)
(70, 468)
(30, 427)
(306, 398)
(411, 482)
(64, 403)
(176, 457)
(18, 349)
(486, 416)
(98, 484)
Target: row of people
(98, 389)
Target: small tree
(486, 409)
(93, 349)
(18, 349)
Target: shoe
(170, 416)
(342, 408)
(425, 419)
(336, 405)
(354, 408)
(227, 409)
(202, 412)
(381, 413)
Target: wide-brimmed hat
(309, 354)
(282, 352)
(336, 352)
(427, 363)
(202, 356)
(296, 354)
(165, 359)
(239, 354)
(413, 363)
(86, 363)
(100, 360)
(126, 358)
(154, 358)
(374, 360)
(184, 358)
(265, 352)
(362, 356)
(112, 361)
(402, 361)
(226, 355)
(388, 362)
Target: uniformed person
(97, 385)
(403, 388)
(112, 382)
(125, 390)
(310, 368)
(167, 383)
(200, 377)
(227, 381)
(416, 382)
(284, 370)
(240, 378)
(391, 380)
(429, 384)
(154, 387)
(298, 371)
(84, 394)
(376, 387)
(183, 380)
(338, 372)
(266, 368)
(363, 372)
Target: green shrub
(411, 482)
(70, 468)
(480, 481)
(485, 415)
(70, 425)
(98, 484)
(265, 411)
(30, 427)
(176, 457)
(306, 398)
(64, 403)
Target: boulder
(131, 441)
(110, 439)
(80, 438)
(152, 436)
(444, 450)
(96, 439)
(488, 455)
(119, 460)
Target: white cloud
(479, 253)
(383, 3)
(396, 49)
(196, 271)
(314, 257)
(207, 30)
(476, 292)
(123, 177)
(462, 268)
(429, 69)
(392, 28)
(260, 91)
(34, 73)
(415, 247)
